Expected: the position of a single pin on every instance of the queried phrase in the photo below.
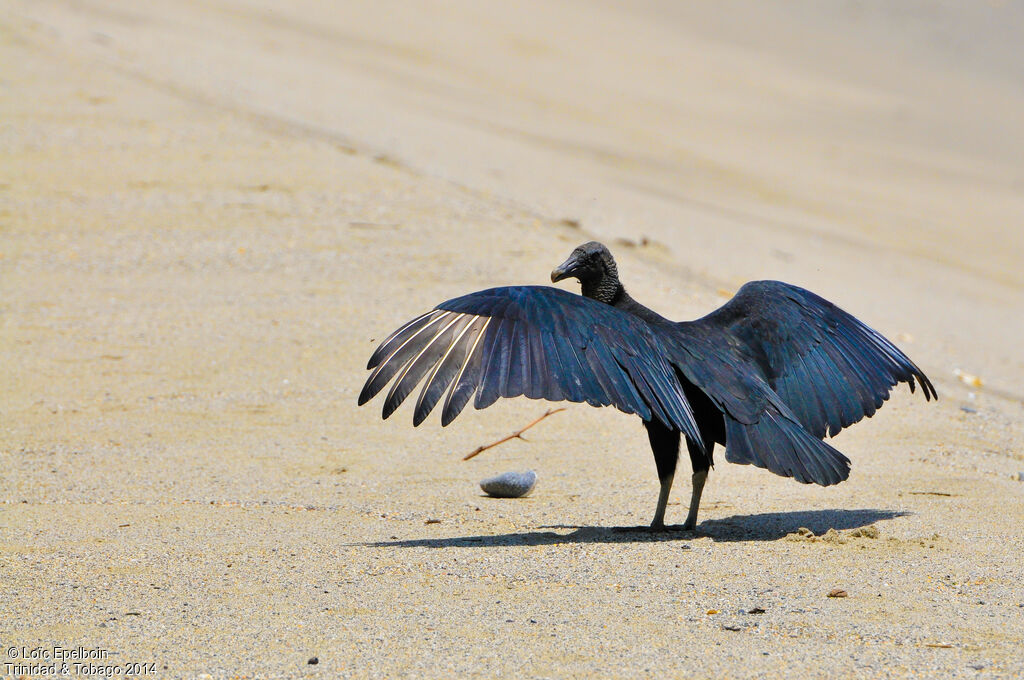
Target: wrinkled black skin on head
(593, 265)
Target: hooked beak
(564, 270)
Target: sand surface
(210, 211)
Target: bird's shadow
(768, 526)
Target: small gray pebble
(1018, 476)
(510, 484)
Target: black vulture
(768, 375)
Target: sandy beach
(211, 212)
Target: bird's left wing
(537, 341)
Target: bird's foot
(642, 529)
(677, 528)
(653, 529)
(656, 530)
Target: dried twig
(515, 435)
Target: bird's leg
(701, 462)
(665, 445)
(659, 514)
(699, 478)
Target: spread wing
(830, 369)
(537, 341)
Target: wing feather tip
(368, 392)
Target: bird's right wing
(827, 366)
(787, 368)
(537, 341)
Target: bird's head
(590, 263)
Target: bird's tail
(780, 444)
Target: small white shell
(510, 484)
(968, 378)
